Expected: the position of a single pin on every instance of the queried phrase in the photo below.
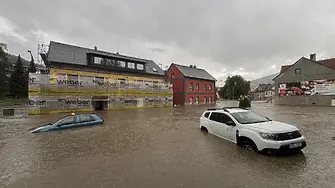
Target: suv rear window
(206, 114)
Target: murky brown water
(162, 147)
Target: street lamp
(233, 90)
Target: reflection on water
(161, 147)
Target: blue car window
(85, 118)
(67, 121)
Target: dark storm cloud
(232, 34)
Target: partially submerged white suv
(251, 130)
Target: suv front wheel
(248, 145)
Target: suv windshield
(249, 117)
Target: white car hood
(273, 127)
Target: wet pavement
(162, 147)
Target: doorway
(100, 103)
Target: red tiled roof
(328, 62)
(284, 68)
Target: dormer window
(140, 67)
(155, 70)
(131, 65)
(98, 60)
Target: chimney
(312, 57)
(95, 48)
(191, 66)
(117, 53)
(194, 66)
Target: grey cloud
(231, 34)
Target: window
(225, 118)
(210, 87)
(205, 100)
(122, 81)
(215, 117)
(191, 86)
(197, 86)
(110, 62)
(121, 64)
(191, 100)
(131, 65)
(85, 118)
(172, 75)
(247, 117)
(205, 87)
(139, 66)
(220, 117)
(197, 100)
(67, 121)
(98, 60)
(210, 100)
(155, 70)
(206, 114)
(298, 71)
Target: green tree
(235, 87)
(18, 80)
(5, 68)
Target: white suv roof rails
(225, 108)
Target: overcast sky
(250, 38)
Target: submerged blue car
(71, 121)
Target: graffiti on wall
(315, 87)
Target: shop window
(298, 71)
(210, 100)
(197, 100)
(191, 86)
(191, 100)
(205, 100)
(197, 86)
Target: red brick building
(191, 85)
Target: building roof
(263, 87)
(193, 72)
(330, 63)
(66, 53)
(284, 68)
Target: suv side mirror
(230, 123)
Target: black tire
(249, 145)
(204, 129)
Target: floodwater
(162, 147)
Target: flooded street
(162, 147)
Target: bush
(245, 102)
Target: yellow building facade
(65, 90)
